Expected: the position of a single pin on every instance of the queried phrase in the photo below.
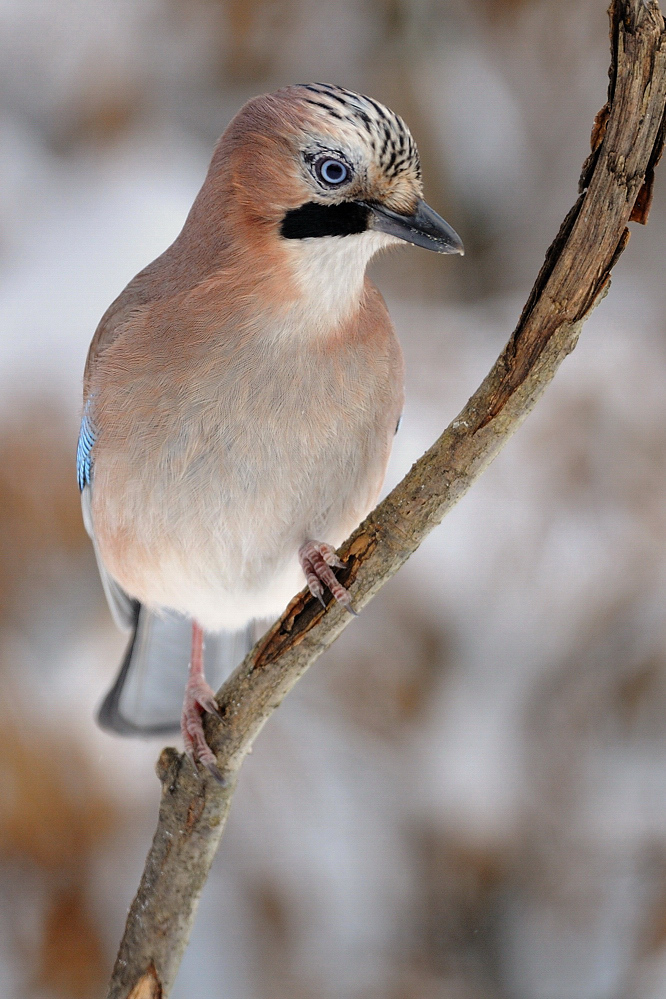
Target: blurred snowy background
(466, 798)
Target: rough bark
(615, 188)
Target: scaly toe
(328, 553)
(209, 704)
(202, 752)
(314, 586)
(196, 748)
(200, 693)
(343, 596)
(189, 752)
(317, 559)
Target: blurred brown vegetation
(53, 814)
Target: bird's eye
(332, 172)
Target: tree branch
(616, 187)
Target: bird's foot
(316, 560)
(199, 697)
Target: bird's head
(326, 178)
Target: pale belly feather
(209, 520)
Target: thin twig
(616, 187)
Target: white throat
(329, 271)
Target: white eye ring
(332, 172)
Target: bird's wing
(147, 695)
(123, 608)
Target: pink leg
(316, 560)
(198, 698)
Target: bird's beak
(424, 228)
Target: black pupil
(333, 172)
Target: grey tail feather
(147, 696)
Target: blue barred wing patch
(84, 448)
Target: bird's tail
(147, 695)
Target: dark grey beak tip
(456, 245)
(424, 228)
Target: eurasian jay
(242, 393)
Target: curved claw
(213, 769)
(189, 753)
(207, 701)
(317, 559)
(197, 749)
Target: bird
(241, 395)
